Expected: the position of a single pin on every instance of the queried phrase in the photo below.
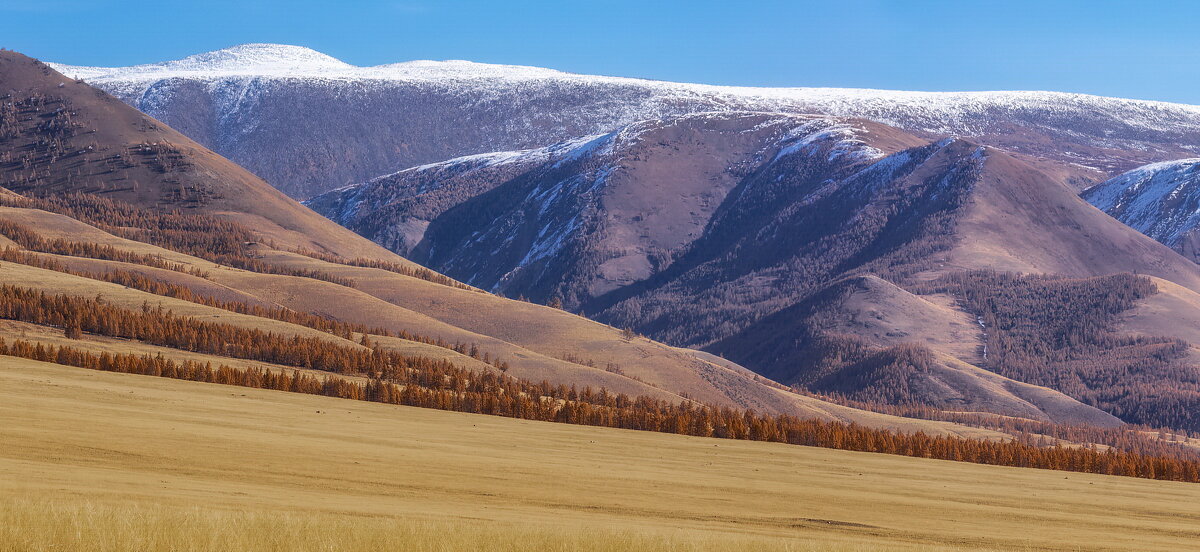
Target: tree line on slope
(207, 237)
(419, 272)
(599, 408)
(345, 330)
(1061, 333)
(157, 326)
(1138, 439)
(31, 240)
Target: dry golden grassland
(101, 461)
(40, 524)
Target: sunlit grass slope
(102, 461)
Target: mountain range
(819, 251)
(102, 203)
(307, 122)
(845, 254)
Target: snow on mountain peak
(260, 57)
(286, 61)
(245, 59)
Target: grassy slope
(255, 466)
(885, 315)
(1174, 310)
(553, 332)
(95, 344)
(1020, 221)
(109, 127)
(532, 338)
(308, 295)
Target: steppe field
(95, 461)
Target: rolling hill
(63, 136)
(307, 122)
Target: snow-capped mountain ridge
(262, 105)
(287, 61)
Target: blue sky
(1147, 50)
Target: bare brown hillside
(58, 135)
(1024, 220)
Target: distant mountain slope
(308, 122)
(1160, 200)
(585, 217)
(738, 231)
